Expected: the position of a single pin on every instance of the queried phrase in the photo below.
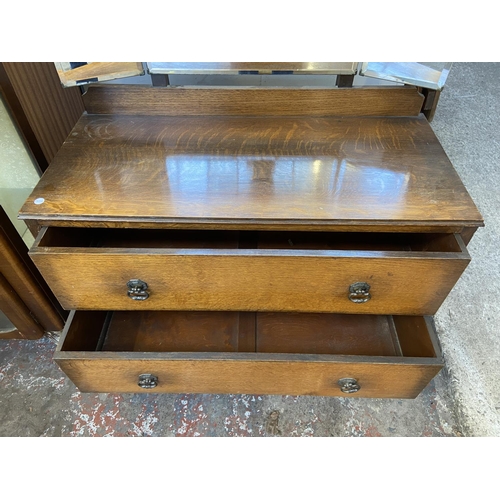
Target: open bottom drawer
(256, 353)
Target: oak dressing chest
(252, 240)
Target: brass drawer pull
(147, 381)
(349, 385)
(137, 290)
(359, 292)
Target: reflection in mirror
(430, 75)
(258, 68)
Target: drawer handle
(147, 381)
(359, 292)
(137, 290)
(349, 385)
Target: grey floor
(467, 123)
(36, 399)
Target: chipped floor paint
(37, 399)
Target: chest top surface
(253, 169)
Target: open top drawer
(148, 269)
(258, 353)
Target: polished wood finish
(249, 212)
(147, 223)
(96, 71)
(51, 110)
(251, 101)
(21, 274)
(280, 272)
(263, 68)
(250, 373)
(17, 312)
(253, 171)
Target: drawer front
(343, 281)
(257, 374)
(283, 359)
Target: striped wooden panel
(251, 101)
(51, 110)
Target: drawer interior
(58, 237)
(231, 332)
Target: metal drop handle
(137, 289)
(359, 292)
(147, 381)
(349, 385)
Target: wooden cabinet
(269, 241)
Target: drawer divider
(247, 332)
(104, 331)
(394, 336)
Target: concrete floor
(36, 399)
(467, 123)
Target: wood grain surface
(21, 122)
(253, 170)
(368, 335)
(250, 374)
(247, 373)
(51, 110)
(23, 276)
(413, 336)
(166, 331)
(246, 158)
(19, 315)
(307, 277)
(311, 226)
(261, 101)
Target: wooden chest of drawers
(251, 241)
